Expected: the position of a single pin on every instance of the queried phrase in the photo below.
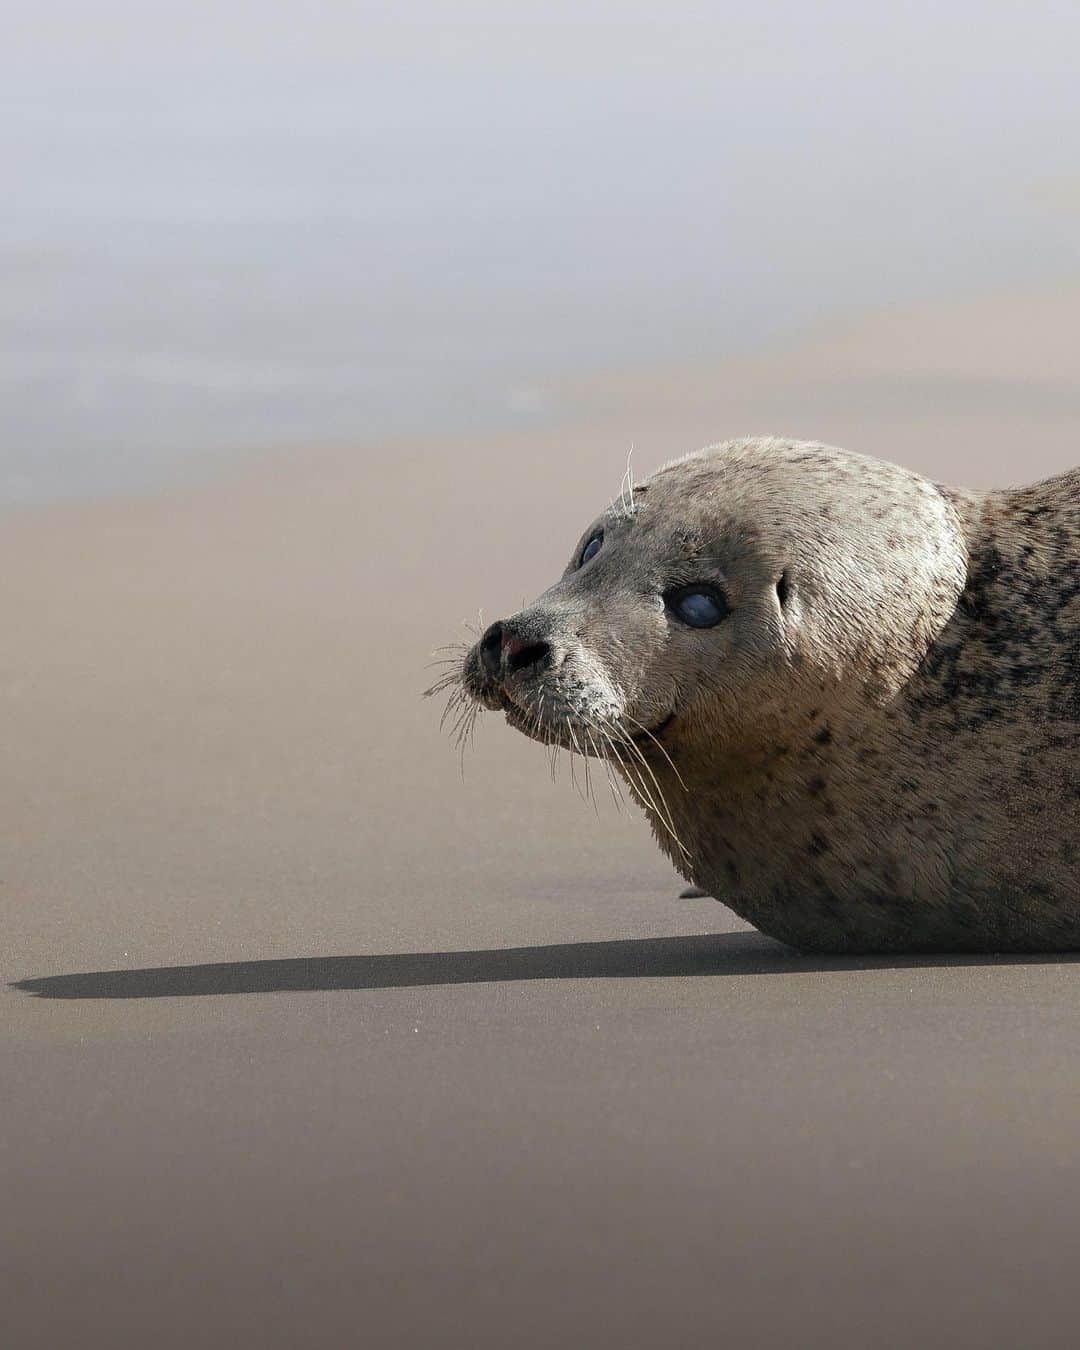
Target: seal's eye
(697, 606)
(592, 548)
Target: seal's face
(731, 598)
(665, 614)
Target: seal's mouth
(545, 729)
(537, 724)
(549, 719)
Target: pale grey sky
(236, 225)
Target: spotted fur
(877, 749)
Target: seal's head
(845, 697)
(736, 594)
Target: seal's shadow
(632, 958)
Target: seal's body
(848, 699)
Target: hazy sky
(234, 224)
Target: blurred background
(240, 226)
(324, 326)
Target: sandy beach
(314, 1034)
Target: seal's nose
(491, 650)
(505, 651)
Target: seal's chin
(552, 722)
(493, 695)
(527, 723)
(543, 715)
(558, 728)
(565, 728)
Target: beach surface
(315, 1033)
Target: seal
(847, 698)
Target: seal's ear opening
(782, 589)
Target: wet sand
(307, 1040)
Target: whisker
(663, 811)
(596, 743)
(462, 720)
(453, 703)
(444, 681)
(659, 746)
(614, 781)
(574, 746)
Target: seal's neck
(756, 810)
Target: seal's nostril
(521, 653)
(505, 652)
(491, 649)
